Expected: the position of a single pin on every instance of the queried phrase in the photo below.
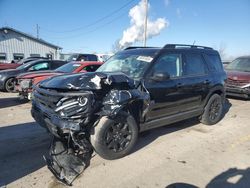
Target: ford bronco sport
(135, 90)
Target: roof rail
(135, 47)
(172, 46)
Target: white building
(16, 45)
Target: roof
(30, 37)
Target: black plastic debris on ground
(65, 163)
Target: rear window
(194, 65)
(214, 62)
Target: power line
(93, 30)
(93, 23)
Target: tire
(213, 110)
(112, 139)
(9, 85)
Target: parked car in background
(24, 82)
(4, 66)
(137, 89)
(82, 57)
(238, 81)
(7, 77)
(104, 57)
(225, 63)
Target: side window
(194, 65)
(214, 62)
(91, 68)
(170, 63)
(39, 66)
(56, 64)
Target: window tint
(170, 63)
(214, 62)
(40, 66)
(91, 68)
(194, 65)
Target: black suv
(135, 90)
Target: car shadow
(11, 101)
(22, 148)
(237, 98)
(149, 136)
(227, 106)
(232, 178)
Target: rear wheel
(9, 85)
(114, 139)
(213, 110)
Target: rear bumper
(238, 92)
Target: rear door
(196, 80)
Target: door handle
(206, 82)
(178, 85)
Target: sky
(96, 25)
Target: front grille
(236, 82)
(46, 98)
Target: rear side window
(194, 64)
(214, 62)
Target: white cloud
(136, 30)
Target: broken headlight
(26, 84)
(72, 107)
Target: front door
(164, 94)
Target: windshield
(240, 64)
(69, 67)
(133, 65)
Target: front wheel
(113, 139)
(9, 85)
(213, 110)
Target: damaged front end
(69, 107)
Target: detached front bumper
(238, 92)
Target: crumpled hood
(89, 81)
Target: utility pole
(145, 23)
(37, 31)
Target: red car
(238, 81)
(25, 81)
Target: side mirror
(160, 76)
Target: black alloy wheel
(118, 137)
(214, 110)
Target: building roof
(30, 37)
